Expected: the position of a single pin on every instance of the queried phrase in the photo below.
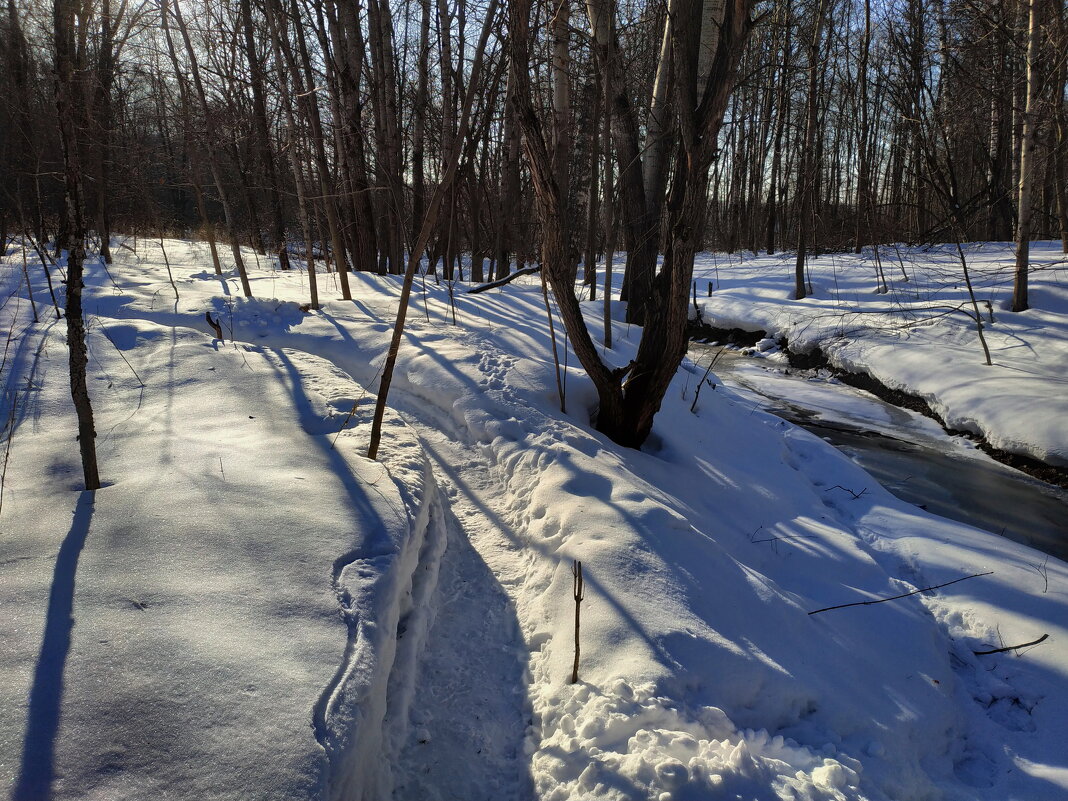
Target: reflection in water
(904, 452)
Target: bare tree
(706, 43)
(1027, 153)
(69, 60)
(212, 133)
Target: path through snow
(702, 674)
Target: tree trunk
(387, 132)
(589, 262)
(452, 166)
(304, 77)
(864, 202)
(212, 135)
(510, 199)
(561, 130)
(349, 48)
(68, 60)
(1027, 151)
(105, 77)
(1060, 143)
(782, 116)
(641, 251)
(294, 156)
(809, 165)
(262, 137)
(626, 409)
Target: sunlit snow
(250, 608)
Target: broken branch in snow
(855, 495)
(1043, 638)
(903, 595)
(502, 281)
(215, 326)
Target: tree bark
(304, 78)
(809, 164)
(1060, 143)
(68, 60)
(452, 166)
(627, 407)
(213, 137)
(262, 137)
(1027, 152)
(387, 133)
(105, 77)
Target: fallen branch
(502, 281)
(903, 595)
(1043, 638)
(856, 495)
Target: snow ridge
(384, 598)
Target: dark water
(905, 452)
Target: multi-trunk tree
(703, 43)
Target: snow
(917, 336)
(251, 609)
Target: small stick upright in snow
(214, 325)
(576, 588)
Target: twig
(552, 338)
(1043, 638)
(576, 589)
(352, 411)
(170, 276)
(903, 595)
(856, 495)
(1042, 571)
(7, 445)
(786, 538)
(44, 265)
(29, 286)
(118, 350)
(701, 383)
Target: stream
(909, 454)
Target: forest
(359, 135)
(531, 399)
(328, 127)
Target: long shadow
(46, 694)
(547, 551)
(376, 539)
(22, 380)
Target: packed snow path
(470, 713)
(702, 676)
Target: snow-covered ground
(252, 609)
(917, 335)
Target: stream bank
(906, 452)
(701, 332)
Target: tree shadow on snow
(46, 694)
